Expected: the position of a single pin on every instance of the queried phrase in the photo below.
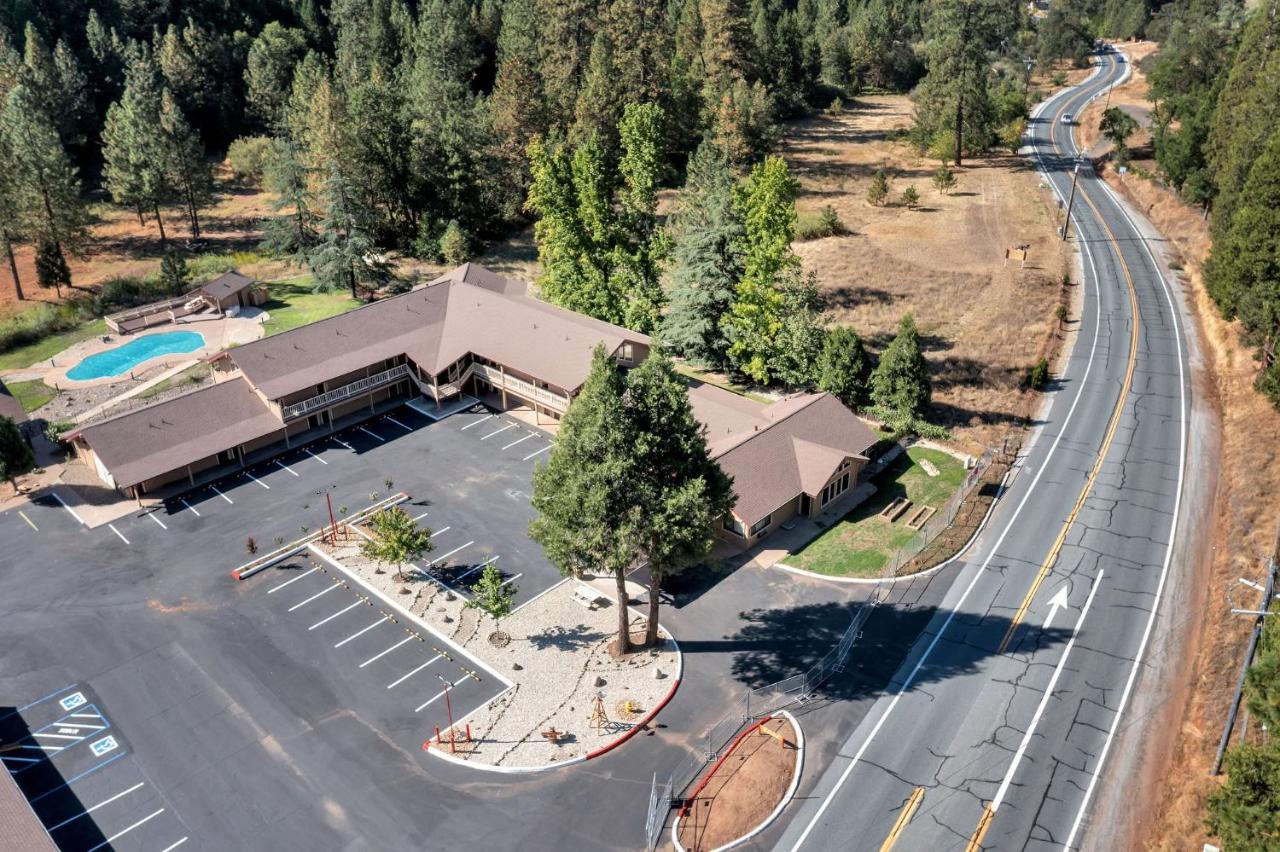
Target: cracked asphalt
(1006, 708)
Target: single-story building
(469, 331)
(228, 292)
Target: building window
(761, 525)
(734, 525)
(834, 489)
(627, 353)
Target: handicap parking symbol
(103, 746)
(72, 701)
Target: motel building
(469, 332)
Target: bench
(587, 596)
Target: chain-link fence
(752, 705)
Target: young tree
(583, 494)
(173, 273)
(679, 491)
(16, 457)
(493, 596)
(900, 384)
(844, 369)
(1117, 125)
(706, 261)
(878, 191)
(910, 198)
(184, 160)
(944, 180)
(45, 188)
(51, 267)
(753, 325)
(800, 339)
(397, 539)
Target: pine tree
(10, 213)
(944, 180)
(346, 256)
(51, 266)
(900, 384)
(878, 190)
(843, 368)
(910, 197)
(679, 491)
(45, 188)
(16, 457)
(706, 261)
(184, 161)
(1245, 812)
(583, 494)
(133, 144)
(268, 72)
(517, 106)
(727, 46)
(173, 273)
(754, 323)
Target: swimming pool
(122, 359)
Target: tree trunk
(651, 629)
(192, 214)
(142, 223)
(351, 277)
(959, 126)
(160, 221)
(13, 264)
(624, 616)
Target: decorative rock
(657, 674)
(515, 667)
(446, 619)
(449, 596)
(599, 681)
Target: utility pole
(1075, 176)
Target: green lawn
(861, 543)
(718, 379)
(291, 304)
(43, 350)
(31, 394)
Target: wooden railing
(323, 400)
(498, 379)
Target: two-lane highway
(994, 732)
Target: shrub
(816, 226)
(837, 106)
(455, 244)
(944, 180)
(1059, 78)
(38, 322)
(910, 198)
(879, 189)
(247, 157)
(1038, 375)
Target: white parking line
(117, 532)
(257, 480)
(63, 503)
(451, 552)
(374, 434)
(173, 846)
(361, 632)
(285, 466)
(521, 440)
(431, 701)
(28, 520)
(294, 580)
(435, 533)
(152, 516)
(314, 456)
(462, 577)
(336, 614)
(478, 422)
(301, 604)
(379, 656)
(538, 453)
(499, 431)
(220, 494)
(120, 834)
(95, 807)
(344, 443)
(511, 579)
(403, 678)
(420, 517)
(184, 502)
(398, 423)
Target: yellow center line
(908, 811)
(28, 520)
(975, 840)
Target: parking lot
(76, 769)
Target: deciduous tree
(397, 539)
(16, 457)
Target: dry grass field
(984, 322)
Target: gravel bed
(557, 660)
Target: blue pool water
(122, 359)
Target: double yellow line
(908, 811)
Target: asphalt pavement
(995, 731)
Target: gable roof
(777, 451)
(10, 407)
(226, 284)
(467, 310)
(167, 436)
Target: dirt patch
(1168, 808)
(744, 790)
(983, 320)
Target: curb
(867, 581)
(786, 799)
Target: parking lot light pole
(449, 709)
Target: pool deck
(218, 332)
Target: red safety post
(438, 740)
(328, 499)
(468, 732)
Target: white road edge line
(293, 580)
(937, 637)
(403, 678)
(307, 450)
(1048, 693)
(318, 594)
(63, 503)
(362, 632)
(336, 614)
(120, 534)
(120, 834)
(521, 440)
(381, 654)
(184, 502)
(88, 811)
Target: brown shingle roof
(226, 284)
(775, 452)
(10, 407)
(22, 828)
(170, 435)
(469, 309)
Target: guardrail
(285, 551)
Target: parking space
(77, 770)
(501, 434)
(395, 668)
